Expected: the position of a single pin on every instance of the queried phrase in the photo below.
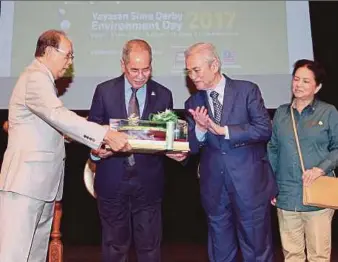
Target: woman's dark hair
(49, 38)
(316, 68)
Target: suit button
(224, 153)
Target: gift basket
(163, 132)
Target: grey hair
(135, 44)
(208, 50)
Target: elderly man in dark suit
(129, 188)
(230, 126)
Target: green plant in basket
(164, 117)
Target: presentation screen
(256, 40)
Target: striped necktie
(133, 109)
(217, 106)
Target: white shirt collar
(219, 89)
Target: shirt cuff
(327, 166)
(226, 132)
(94, 158)
(200, 135)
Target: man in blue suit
(129, 187)
(229, 126)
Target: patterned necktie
(217, 106)
(133, 108)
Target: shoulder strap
(297, 139)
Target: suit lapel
(228, 100)
(207, 105)
(119, 95)
(202, 100)
(150, 101)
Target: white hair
(207, 49)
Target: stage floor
(175, 252)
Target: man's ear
(215, 65)
(123, 66)
(48, 51)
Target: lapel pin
(320, 123)
(153, 93)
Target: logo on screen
(228, 57)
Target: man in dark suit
(229, 126)
(129, 187)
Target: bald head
(136, 62)
(135, 45)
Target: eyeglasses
(67, 55)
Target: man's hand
(177, 156)
(92, 165)
(5, 126)
(200, 115)
(117, 141)
(67, 139)
(215, 129)
(273, 201)
(102, 153)
(310, 175)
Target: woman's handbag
(323, 192)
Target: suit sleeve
(41, 99)
(258, 129)
(330, 162)
(194, 143)
(273, 149)
(170, 103)
(96, 112)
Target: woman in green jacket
(304, 227)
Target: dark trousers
(234, 223)
(128, 216)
